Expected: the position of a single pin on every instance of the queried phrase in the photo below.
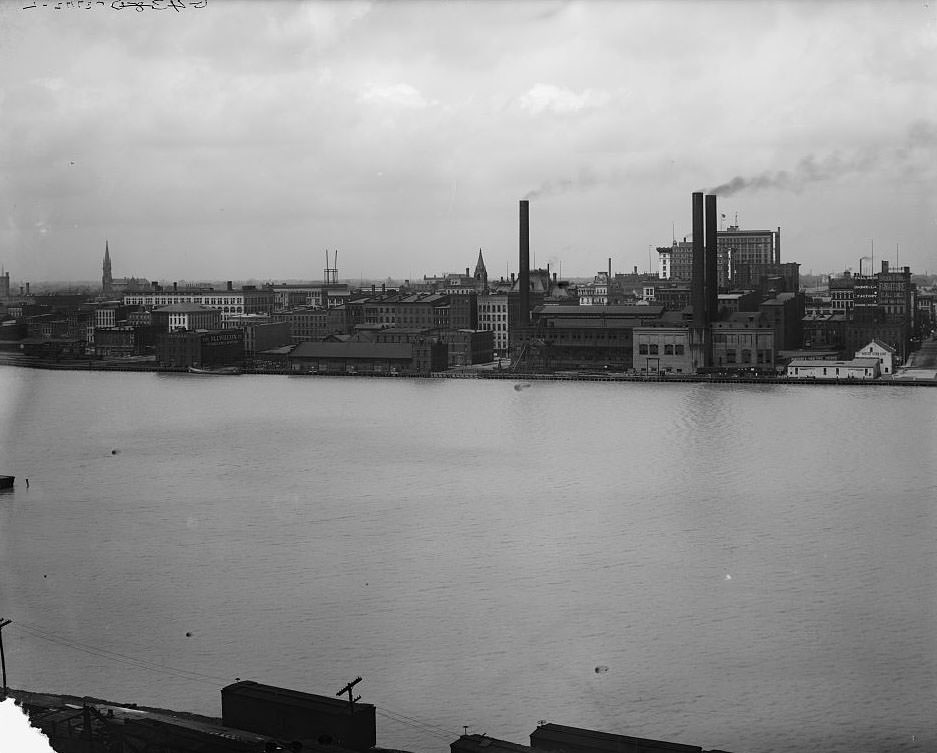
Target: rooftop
(259, 691)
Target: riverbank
(907, 378)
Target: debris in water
(600, 669)
(522, 386)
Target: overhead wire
(425, 727)
(186, 674)
(132, 661)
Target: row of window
(762, 356)
(653, 349)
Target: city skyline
(242, 139)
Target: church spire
(107, 279)
(481, 274)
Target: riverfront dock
(909, 378)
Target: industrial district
(722, 305)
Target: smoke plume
(586, 179)
(921, 135)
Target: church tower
(481, 274)
(107, 281)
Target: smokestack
(777, 246)
(230, 285)
(609, 268)
(467, 272)
(27, 288)
(175, 287)
(698, 289)
(712, 268)
(524, 273)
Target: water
(756, 566)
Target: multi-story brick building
(738, 252)
(784, 314)
(493, 316)
(185, 316)
(248, 300)
(306, 323)
(743, 341)
(206, 349)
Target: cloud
(400, 95)
(543, 97)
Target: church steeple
(481, 274)
(107, 281)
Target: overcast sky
(242, 139)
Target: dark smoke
(811, 169)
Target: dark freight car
(292, 715)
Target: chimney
(467, 272)
(512, 279)
(711, 256)
(27, 288)
(524, 272)
(635, 270)
(777, 246)
(698, 285)
(230, 288)
(554, 277)
(884, 271)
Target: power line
(144, 664)
(149, 666)
(437, 727)
(424, 728)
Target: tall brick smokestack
(712, 268)
(698, 287)
(524, 276)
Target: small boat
(6, 482)
(221, 371)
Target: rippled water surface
(755, 566)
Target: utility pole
(351, 698)
(3, 661)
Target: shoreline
(469, 373)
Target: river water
(744, 567)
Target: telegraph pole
(3, 661)
(351, 698)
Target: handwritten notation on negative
(138, 5)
